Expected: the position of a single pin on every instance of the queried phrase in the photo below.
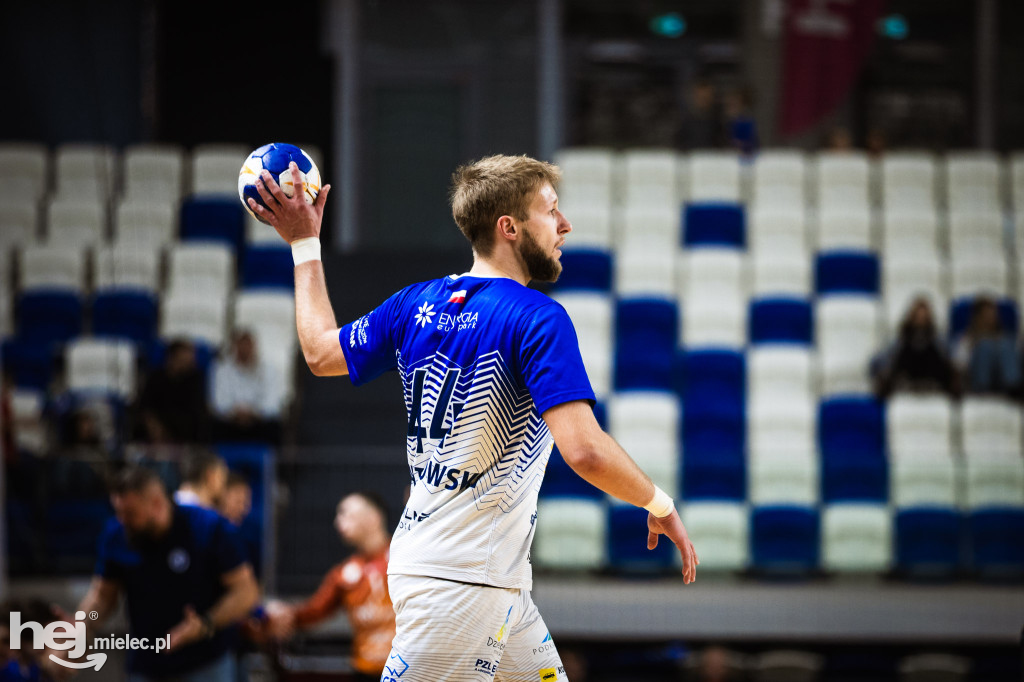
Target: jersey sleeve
(227, 546)
(106, 567)
(550, 359)
(369, 343)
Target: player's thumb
(321, 198)
(652, 540)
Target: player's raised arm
(299, 223)
(600, 461)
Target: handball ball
(275, 158)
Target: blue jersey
(159, 578)
(481, 359)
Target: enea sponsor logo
(489, 667)
(465, 320)
(394, 668)
(441, 476)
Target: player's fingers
(260, 210)
(298, 183)
(272, 186)
(263, 189)
(652, 539)
(321, 199)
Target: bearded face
(540, 266)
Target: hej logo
(58, 636)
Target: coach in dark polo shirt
(183, 573)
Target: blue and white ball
(275, 158)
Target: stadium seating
(780, 272)
(931, 667)
(215, 169)
(781, 320)
(912, 275)
(76, 222)
(653, 229)
(125, 314)
(783, 461)
(910, 232)
(928, 540)
(777, 370)
(722, 532)
(125, 267)
(714, 224)
(856, 537)
(98, 367)
(920, 425)
(908, 179)
(972, 180)
(206, 268)
(86, 172)
(646, 425)
(714, 176)
(714, 462)
(268, 267)
(642, 273)
(785, 666)
(28, 363)
(584, 269)
(846, 272)
(843, 180)
(154, 174)
(853, 458)
(645, 333)
(571, 533)
(844, 229)
(20, 220)
(779, 178)
(627, 542)
(591, 314)
(24, 171)
(194, 315)
(650, 178)
(213, 219)
(142, 225)
(270, 316)
(782, 228)
(588, 179)
(847, 334)
(785, 538)
(997, 540)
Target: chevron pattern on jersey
(488, 427)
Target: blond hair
(494, 186)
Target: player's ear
(507, 228)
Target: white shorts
(467, 633)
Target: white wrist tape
(305, 250)
(661, 504)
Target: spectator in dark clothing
(987, 353)
(917, 360)
(173, 403)
(742, 127)
(701, 127)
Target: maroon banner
(825, 44)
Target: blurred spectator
(359, 585)
(718, 664)
(173, 402)
(742, 126)
(183, 573)
(876, 142)
(700, 127)
(247, 396)
(204, 475)
(986, 353)
(916, 361)
(236, 502)
(839, 139)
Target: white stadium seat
(847, 334)
(972, 275)
(99, 366)
(145, 225)
(639, 272)
(215, 169)
(920, 425)
(714, 272)
(714, 176)
(907, 277)
(24, 171)
(591, 225)
(994, 481)
(720, 530)
(154, 173)
(646, 425)
(791, 666)
(780, 178)
(206, 268)
(570, 533)
(979, 232)
(856, 537)
(592, 315)
(780, 369)
(934, 668)
(126, 267)
(651, 229)
(262, 233)
(908, 179)
(713, 321)
(76, 222)
(194, 315)
(52, 266)
(972, 181)
(990, 427)
(6, 304)
(1017, 182)
(588, 178)
(19, 223)
(779, 228)
(270, 316)
(842, 180)
(783, 463)
(844, 228)
(650, 179)
(780, 271)
(922, 480)
(910, 231)
(86, 171)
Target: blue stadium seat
(49, 316)
(846, 272)
(585, 270)
(781, 320)
(960, 316)
(219, 219)
(156, 350)
(714, 379)
(714, 224)
(928, 540)
(997, 540)
(125, 314)
(29, 363)
(627, 541)
(785, 538)
(268, 266)
(714, 467)
(851, 432)
(645, 343)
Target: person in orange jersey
(359, 585)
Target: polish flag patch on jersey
(458, 297)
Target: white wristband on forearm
(305, 250)
(661, 504)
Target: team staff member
(492, 376)
(358, 584)
(183, 573)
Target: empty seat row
(578, 533)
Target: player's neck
(500, 263)
(375, 544)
